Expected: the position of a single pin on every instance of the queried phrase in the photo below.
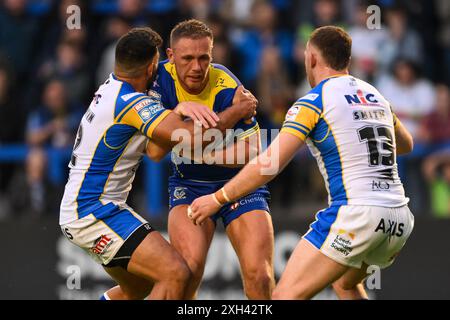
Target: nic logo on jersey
(361, 99)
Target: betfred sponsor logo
(361, 99)
(101, 244)
(138, 107)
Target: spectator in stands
(53, 124)
(18, 35)
(70, 67)
(435, 128)
(402, 42)
(252, 42)
(134, 12)
(412, 97)
(366, 44)
(324, 12)
(436, 169)
(11, 132)
(115, 28)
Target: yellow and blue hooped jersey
(348, 127)
(109, 147)
(217, 95)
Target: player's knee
(343, 284)
(180, 273)
(196, 269)
(259, 279)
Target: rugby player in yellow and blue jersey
(189, 75)
(352, 132)
(112, 139)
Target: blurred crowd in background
(48, 75)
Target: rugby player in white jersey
(355, 138)
(111, 141)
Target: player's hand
(202, 208)
(247, 102)
(199, 113)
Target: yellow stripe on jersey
(308, 105)
(305, 120)
(156, 122)
(218, 80)
(127, 108)
(248, 133)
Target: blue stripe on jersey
(118, 135)
(125, 89)
(331, 158)
(149, 122)
(102, 164)
(297, 124)
(320, 229)
(223, 99)
(296, 128)
(123, 223)
(227, 71)
(165, 86)
(317, 102)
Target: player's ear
(169, 53)
(312, 59)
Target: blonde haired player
(354, 136)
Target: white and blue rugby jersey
(348, 127)
(109, 146)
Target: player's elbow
(406, 146)
(155, 155)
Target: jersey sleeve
(144, 113)
(303, 116)
(248, 128)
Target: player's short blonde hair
(193, 29)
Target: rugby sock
(105, 296)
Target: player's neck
(326, 73)
(137, 84)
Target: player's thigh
(191, 241)
(155, 259)
(252, 237)
(308, 272)
(134, 287)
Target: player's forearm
(263, 168)
(236, 155)
(230, 117)
(156, 152)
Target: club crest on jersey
(292, 113)
(361, 99)
(179, 193)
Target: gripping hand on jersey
(246, 101)
(202, 208)
(199, 113)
